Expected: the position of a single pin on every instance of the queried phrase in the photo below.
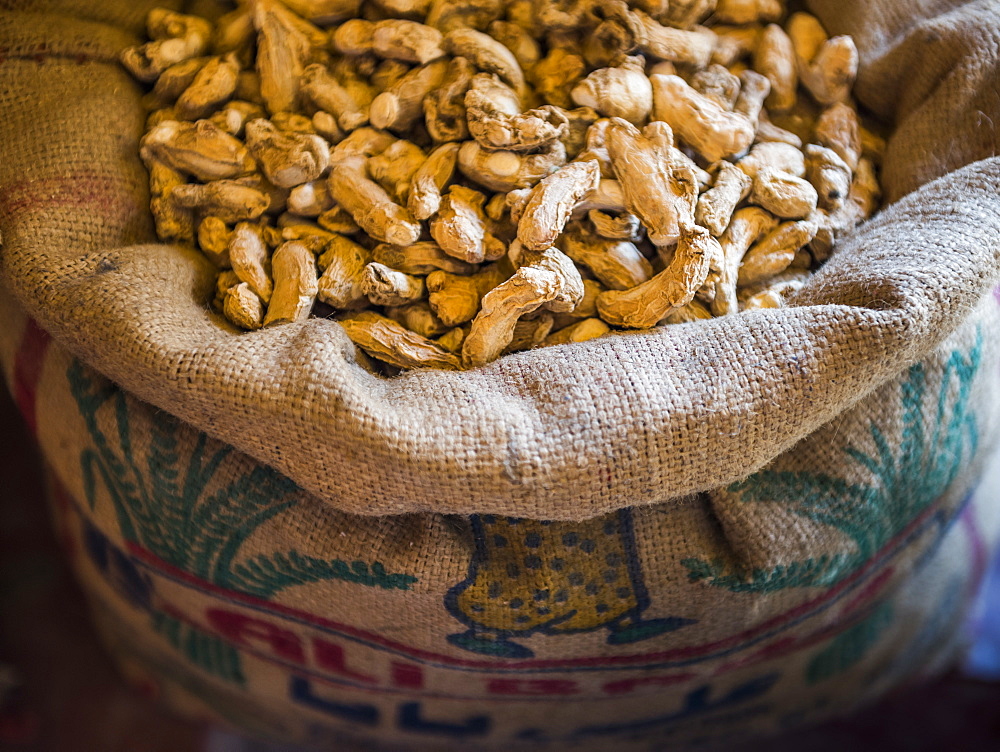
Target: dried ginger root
(462, 180)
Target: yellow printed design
(530, 576)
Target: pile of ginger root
(453, 180)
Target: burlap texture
(561, 433)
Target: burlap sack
(682, 535)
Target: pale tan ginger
(775, 251)
(343, 265)
(392, 343)
(326, 125)
(713, 132)
(518, 40)
(364, 142)
(444, 108)
(642, 306)
(213, 239)
(556, 74)
(287, 159)
(310, 199)
(452, 339)
(387, 287)
(172, 221)
(829, 174)
(251, 259)
(402, 104)
(552, 201)
(199, 149)
(243, 308)
(622, 92)
(507, 170)
(456, 299)
(447, 15)
(783, 195)
(226, 280)
(234, 116)
(214, 83)
(418, 317)
(733, 44)
(693, 311)
(233, 32)
(838, 128)
(487, 54)
(225, 199)
(618, 33)
(677, 45)
(748, 11)
(295, 286)
(548, 281)
(827, 67)
(775, 59)
(716, 205)
(355, 37)
(495, 129)
(530, 332)
(337, 220)
(620, 227)
(718, 84)
(578, 123)
(369, 205)
(460, 227)
(596, 147)
(292, 122)
(324, 11)
(327, 93)
(862, 200)
(747, 227)
(609, 197)
(283, 51)
(423, 257)
(394, 168)
(618, 264)
(776, 156)
(172, 83)
(430, 179)
(176, 38)
(658, 184)
(585, 309)
(682, 14)
(581, 331)
(412, 42)
(768, 131)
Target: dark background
(60, 693)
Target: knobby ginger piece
(418, 317)
(282, 53)
(460, 228)
(775, 251)
(388, 287)
(287, 159)
(623, 92)
(549, 281)
(658, 185)
(423, 257)
(784, 195)
(618, 264)
(455, 298)
(579, 332)
(343, 264)
(430, 179)
(295, 286)
(200, 149)
(392, 343)
(225, 199)
(642, 306)
(370, 206)
(552, 201)
(243, 307)
(747, 226)
(716, 205)
(712, 131)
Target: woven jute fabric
(561, 433)
(665, 538)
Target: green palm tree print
(164, 503)
(907, 480)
